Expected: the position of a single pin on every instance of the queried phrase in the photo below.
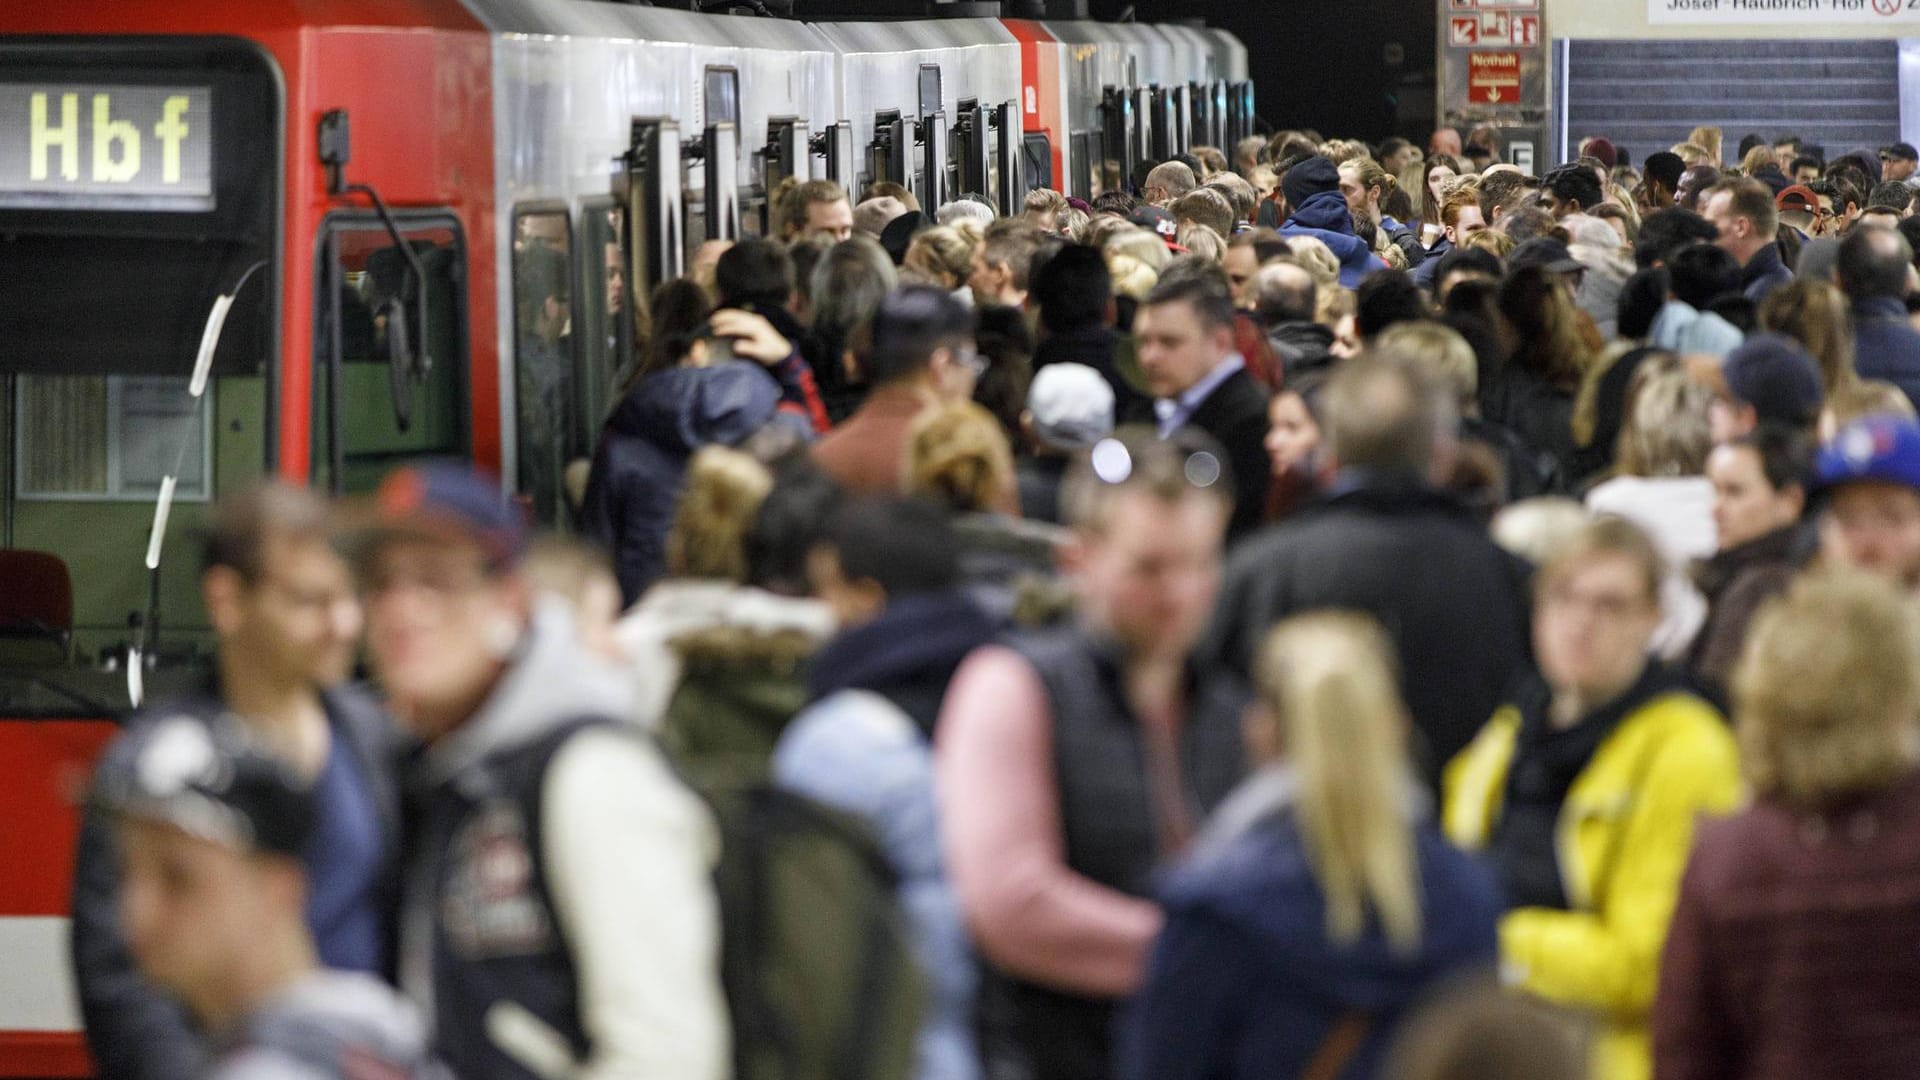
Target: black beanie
(1309, 178)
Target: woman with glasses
(1583, 791)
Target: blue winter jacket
(1326, 217)
(641, 462)
(1885, 344)
(1244, 983)
(865, 747)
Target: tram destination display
(68, 146)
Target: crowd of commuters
(1362, 613)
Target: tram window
(359, 434)
(606, 353)
(544, 399)
(929, 89)
(723, 95)
(109, 437)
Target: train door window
(929, 89)
(723, 96)
(604, 342)
(543, 399)
(1038, 152)
(1085, 181)
(382, 395)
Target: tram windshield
(139, 185)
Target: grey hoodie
(628, 856)
(331, 1025)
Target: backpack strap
(1338, 1048)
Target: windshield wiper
(149, 638)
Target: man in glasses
(1073, 763)
(923, 353)
(286, 621)
(558, 917)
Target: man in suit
(1183, 338)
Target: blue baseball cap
(446, 500)
(1883, 449)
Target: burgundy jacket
(1795, 948)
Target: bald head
(1283, 293)
(1873, 264)
(1445, 141)
(1169, 180)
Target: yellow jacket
(1625, 832)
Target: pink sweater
(1031, 915)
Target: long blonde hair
(1328, 678)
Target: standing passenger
(1184, 339)
(891, 571)
(1075, 762)
(1792, 946)
(1584, 790)
(284, 615)
(559, 917)
(1320, 903)
(212, 835)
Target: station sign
(68, 146)
(1493, 78)
(1493, 28)
(1747, 12)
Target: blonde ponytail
(1329, 680)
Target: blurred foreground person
(1373, 543)
(559, 916)
(1074, 763)
(286, 620)
(1791, 952)
(212, 832)
(891, 571)
(1477, 1031)
(1320, 903)
(1584, 790)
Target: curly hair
(1826, 689)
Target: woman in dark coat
(1319, 903)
